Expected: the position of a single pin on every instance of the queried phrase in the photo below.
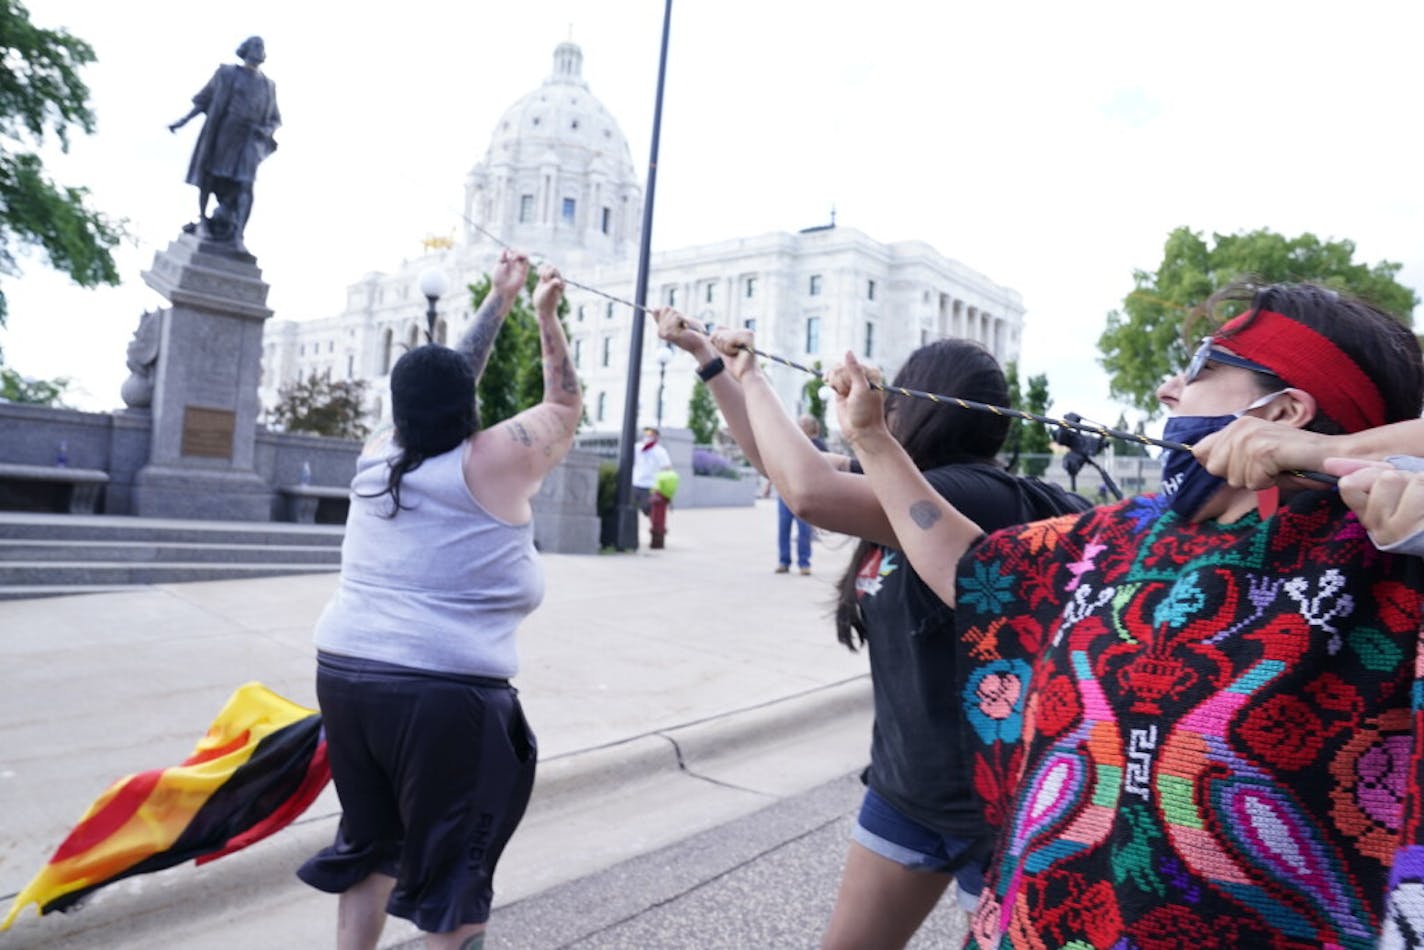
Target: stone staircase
(44, 555)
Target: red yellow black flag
(262, 762)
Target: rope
(1080, 425)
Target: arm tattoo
(478, 340)
(924, 514)
(518, 433)
(569, 380)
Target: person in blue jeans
(785, 518)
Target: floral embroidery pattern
(993, 700)
(1235, 707)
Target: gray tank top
(442, 586)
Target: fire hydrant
(657, 514)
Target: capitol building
(558, 179)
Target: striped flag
(261, 764)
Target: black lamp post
(433, 284)
(625, 514)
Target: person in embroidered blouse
(918, 827)
(1191, 714)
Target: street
(764, 880)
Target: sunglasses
(1207, 354)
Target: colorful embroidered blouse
(1196, 735)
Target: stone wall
(565, 510)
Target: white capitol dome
(561, 116)
(558, 171)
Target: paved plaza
(671, 691)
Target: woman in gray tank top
(429, 748)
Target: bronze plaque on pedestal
(208, 432)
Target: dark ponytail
(933, 435)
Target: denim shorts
(882, 829)
(433, 772)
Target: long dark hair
(433, 402)
(933, 435)
(1375, 340)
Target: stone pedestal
(566, 507)
(205, 402)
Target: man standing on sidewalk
(784, 517)
(650, 459)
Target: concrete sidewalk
(670, 691)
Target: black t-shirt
(916, 754)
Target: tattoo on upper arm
(924, 514)
(518, 433)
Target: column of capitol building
(558, 179)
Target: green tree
(1036, 442)
(31, 392)
(41, 95)
(322, 406)
(514, 374)
(1013, 444)
(1123, 448)
(1144, 341)
(811, 396)
(702, 416)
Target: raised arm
(562, 393)
(932, 532)
(809, 481)
(507, 464)
(690, 335)
(506, 281)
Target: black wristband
(705, 373)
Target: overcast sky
(1050, 146)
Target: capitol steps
(46, 555)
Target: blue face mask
(1185, 483)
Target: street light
(433, 284)
(664, 357)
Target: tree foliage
(1144, 341)
(1036, 441)
(1122, 448)
(31, 392)
(322, 406)
(1013, 444)
(514, 374)
(41, 94)
(702, 417)
(811, 396)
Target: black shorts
(434, 772)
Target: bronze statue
(241, 108)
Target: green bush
(607, 487)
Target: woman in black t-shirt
(919, 826)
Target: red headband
(1307, 360)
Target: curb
(680, 748)
(131, 912)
